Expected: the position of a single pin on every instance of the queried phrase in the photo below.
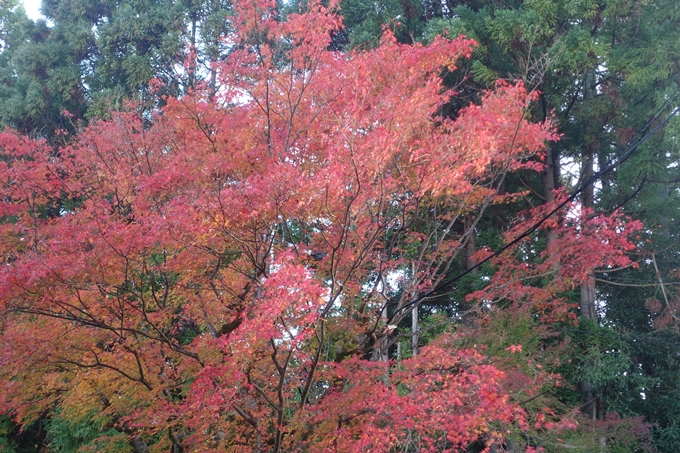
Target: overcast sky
(32, 8)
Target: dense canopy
(249, 234)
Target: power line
(609, 307)
(623, 154)
(622, 336)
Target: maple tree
(219, 275)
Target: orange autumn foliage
(219, 273)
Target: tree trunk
(592, 404)
(194, 61)
(138, 445)
(446, 12)
(588, 202)
(466, 309)
(549, 177)
(471, 243)
(414, 330)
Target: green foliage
(86, 433)
(604, 68)
(364, 21)
(7, 445)
(94, 55)
(430, 327)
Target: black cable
(655, 117)
(623, 336)
(615, 308)
(629, 148)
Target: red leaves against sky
(220, 273)
(539, 278)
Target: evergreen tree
(603, 68)
(92, 55)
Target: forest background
(567, 342)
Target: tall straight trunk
(549, 177)
(381, 348)
(588, 195)
(592, 404)
(446, 12)
(467, 312)
(587, 304)
(194, 61)
(414, 331)
(471, 243)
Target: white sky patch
(32, 8)
(570, 170)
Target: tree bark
(587, 304)
(138, 445)
(592, 404)
(466, 309)
(414, 330)
(471, 243)
(549, 176)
